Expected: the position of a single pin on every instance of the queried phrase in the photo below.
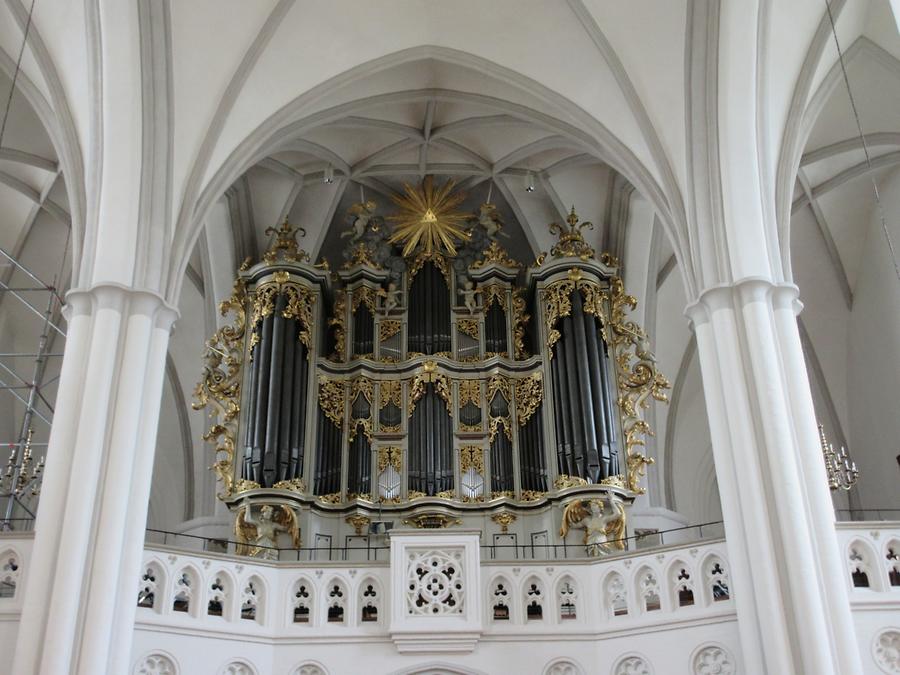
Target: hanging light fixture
(328, 175)
(842, 472)
(529, 182)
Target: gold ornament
(358, 521)
(339, 322)
(285, 245)
(432, 521)
(468, 327)
(471, 457)
(520, 319)
(504, 519)
(428, 217)
(564, 481)
(388, 328)
(497, 255)
(389, 455)
(331, 400)
(220, 385)
(529, 394)
(571, 242)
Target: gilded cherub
(362, 214)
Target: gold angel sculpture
(258, 536)
(604, 526)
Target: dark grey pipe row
(430, 445)
(273, 448)
(429, 312)
(582, 398)
(495, 339)
(329, 443)
(533, 471)
(363, 331)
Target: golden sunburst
(428, 216)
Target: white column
(790, 587)
(78, 613)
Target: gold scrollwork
(339, 323)
(428, 521)
(294, 485)
(501, 494)
(637, 376)
(331, 399)
(571, 242)
(493, 293)
(564, 481)
(520, 320)
(363, 294)
(389, 455)
(388, 328)
(331, 498)
(498, 383)
(468, 327)
(496, 423)
(558, 302)
(360, 255)
(436, 258)
(243, 485)
(299, 305)
(497, 255)
(471, 457)
(532, 495)
(470, 392)
(430, 374)
(529, 394)
(285, 244)
(504, 519)
(220, 385)
(358, 522)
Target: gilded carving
(331, 399)
(430, 374)
(285, 246)
(432, 521)
(339, 323)
(220, 385)
(331, 498)
(501, 494)
(470, 392)
(360, 255)
(493, 293)
(571, 242)
(471, 457)
(637, 376)
(258, 536)
(520, 320)
(564, 481)
(363, 294)
(603, 525)
(531, 495)
(389, 455)
(388, 328)
(294, 485)
(529, 394)
(504, 519)
(468, 327)
(495, 254)
(358, 522)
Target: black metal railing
(495, 551)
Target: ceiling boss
(428, 216)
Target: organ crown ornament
(571, 243)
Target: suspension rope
(865, 146)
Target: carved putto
(603, 524)
(257, 533)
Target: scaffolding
(21, 479)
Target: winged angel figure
(258, 537)
(604, 526)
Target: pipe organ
(431, 379)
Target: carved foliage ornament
(520, 319)
(339, 323)
(571, 242)
(388, 328)
(389, 456)
(471, 457)
(220, 385)
(299, 306)
(331, 399)
(429, 374)
(529, 394)
(637, 376)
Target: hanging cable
(862, 139)
(12, 86)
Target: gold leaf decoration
(331, 399)
(529, 394)
(220, 385)
(428, 218)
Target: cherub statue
(393, 297)
(604, 526)
(490, 221)
(259, 536)
(362, 214)
(469, 292)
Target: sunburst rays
(428, 216)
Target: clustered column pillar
(790, 586)
(79, 605)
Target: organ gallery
(429, 379)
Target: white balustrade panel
(667, 610)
